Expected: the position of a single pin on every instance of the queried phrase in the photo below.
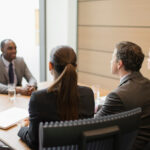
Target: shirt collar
(122, 78)
(6, 62)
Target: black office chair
(147, 147)
(104, 138)
(112, 132)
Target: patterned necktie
(11, 73)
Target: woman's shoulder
(41, 94)
(84, 90)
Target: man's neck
(123, 73)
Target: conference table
(9, 136)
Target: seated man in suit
(13, 69)
(133, 91)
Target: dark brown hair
(131, 55)
(4, 42)
(63, 59)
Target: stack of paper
(12, 116)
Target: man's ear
(119, 64)
(50, 66)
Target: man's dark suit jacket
(43, 107)
(133, 91)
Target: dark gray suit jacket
(133, 91)
(43, 107)
(21, 71)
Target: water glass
(11, 92)
(96, 90)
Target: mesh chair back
(69, 134)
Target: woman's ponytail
(64, 63)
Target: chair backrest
(147, 147)
(74, 134)
(103, 138)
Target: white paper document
(12, 116)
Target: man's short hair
(131, 55)
(4, 42)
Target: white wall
(60, 25)
(72, 23)
(18, 23)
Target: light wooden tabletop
(9, 136)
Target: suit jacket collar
(17, 70)
(131, 76)
(6, 62)
(3, 68)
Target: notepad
(12, 116)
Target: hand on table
(24, 123)
(27, 90)
(30, 89)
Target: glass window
(20, 22)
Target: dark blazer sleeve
(29, 134)
(112, 105)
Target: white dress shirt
(122, 78)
